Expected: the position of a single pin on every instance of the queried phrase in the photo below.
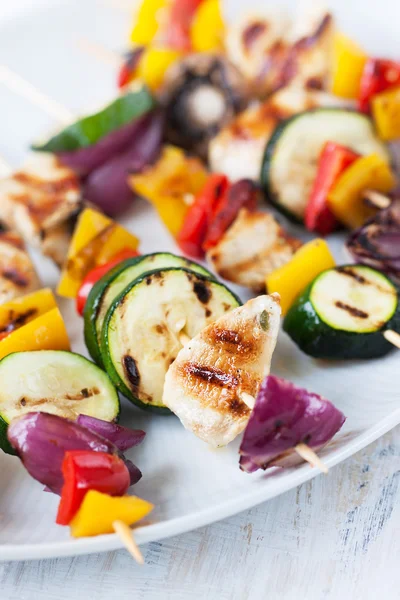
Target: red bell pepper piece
(97, 273)
(334, 159)
(378, 76)
(128, 67)
(86, 470)
(242, 194)
(180, 19)
(194, 229)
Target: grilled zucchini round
(150, 321)
(343, 313)
(111, 285)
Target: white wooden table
(334, 538)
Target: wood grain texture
(336, 537)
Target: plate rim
(201, 518)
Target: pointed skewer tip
(125, 534)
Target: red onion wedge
(122, 437)
(85, 160)
(377, 242)
(283, 417)
(41, 441)
(107, 186)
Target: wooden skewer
(24, 88)
(99, 52)
(393, 337)
(311, 457)
(184, 338)
(302, 450)
(377, 199)
(125, 534)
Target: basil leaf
(88, 130)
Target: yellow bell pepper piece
(98, 512)
(208, 27)
(96, 238)
(46, 332)
(118, 239)
(346, 198)
(169, 184)
(291, 279)
(20, 311)
(348, 65)
(153, 65)
(386, 113)
(147, 21)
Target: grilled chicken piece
(238, 149)
(251, 248)
(17, 273)
(56, 240)
(207, 384)
(39, 199)
(275, 51)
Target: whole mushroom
(201, 94)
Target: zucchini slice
(343, 313)
(53, 381)
(111, 285)
(147, 324)
(290, 161)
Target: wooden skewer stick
(24, 88)
(184, 338)
(377, 199)
(311, 457)
(99, 52)
(302, 450)
(393, 337)
(125, 534)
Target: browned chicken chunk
(17, 273)
(38, 201)
(215, 377)
(251, 248)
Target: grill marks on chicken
(204, 386)
(39, 201)
(251, 248)
(17, 272)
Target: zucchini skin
(317, 339)
(4, 443)
(104, 342)
(265, 176)
(93, 303)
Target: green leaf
(88, 130)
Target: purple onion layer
(284, 416)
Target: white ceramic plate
(189, 484)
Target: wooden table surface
(335, 537)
